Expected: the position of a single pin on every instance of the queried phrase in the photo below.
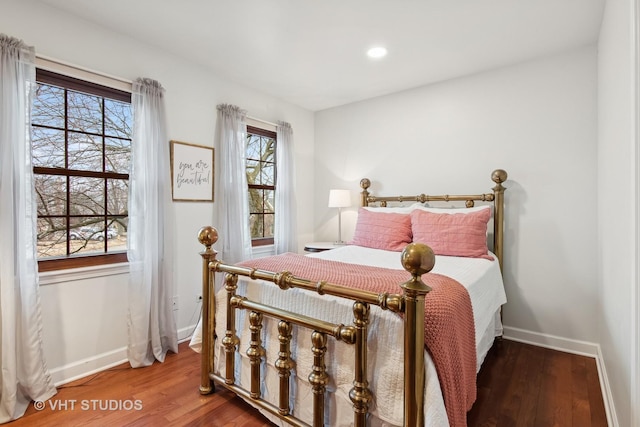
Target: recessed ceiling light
(377, 52)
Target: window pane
(85, 152)
(51, 194)
(117, 118)
(269, 220)
(88, 222)
(117, 234)
(255, 224)
(268, 149)
(86, 236)
(269, 201)
(253, 172)
(267, 174)
(117, 155)
(253, 147)
(87, 196)
(52, 237)
(117, 196)
(84, 112)
(48, 106)
(255, 200)
(47, 147)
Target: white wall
(536, 120)
(85, 318)
(617, 206)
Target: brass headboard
(497, 197)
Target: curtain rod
(48, 59)
(262, 121)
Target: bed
(389, 330)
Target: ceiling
(313, 53)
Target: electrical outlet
(175, 303)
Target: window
(81, 148)
(261, 177)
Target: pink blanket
(449, 327)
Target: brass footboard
(417, 259)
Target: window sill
(263, 251)
(82, 273)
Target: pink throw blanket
(449, 327)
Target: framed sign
(191, 172)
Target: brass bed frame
(416, 258)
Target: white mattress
(482, 279)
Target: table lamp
(339, 199)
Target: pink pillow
(388, 231)
(463, 235)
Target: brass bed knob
(207, 236)
(418, 259)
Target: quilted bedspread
(449, 325)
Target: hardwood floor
(519, 385)
(525, 385)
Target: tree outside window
(81, 150)
(261, 179)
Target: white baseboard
(184, 334)
(89, 366)
(553, 342)
(100, 362)
(612, 418)
(567, 345)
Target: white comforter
(482, 279)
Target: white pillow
(451, 209)
(394, 209)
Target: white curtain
(25, 376)
(285, 233)
(152, 327)
(232, 196)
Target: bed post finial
(417, 259)
(498, 176)
(364, 184)
(207, 236)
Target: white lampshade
(339, 198)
